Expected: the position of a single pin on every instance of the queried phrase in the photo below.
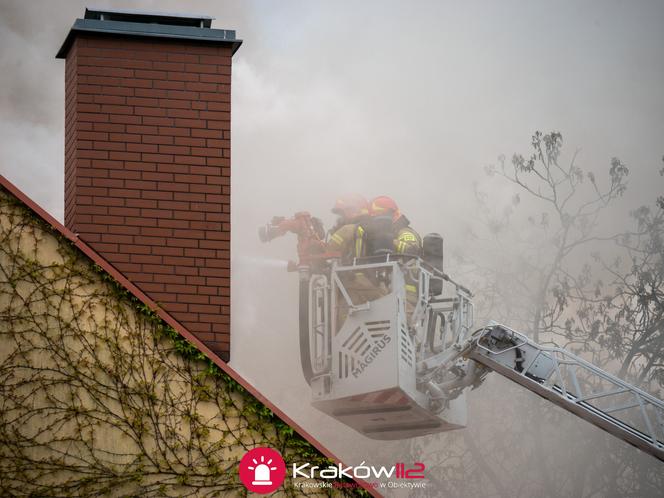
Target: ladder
(574, 384)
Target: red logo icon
(262, 470)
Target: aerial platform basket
(366, 337)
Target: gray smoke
(404, 99)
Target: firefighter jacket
(359, 239)
(347, 241)
(406, 240)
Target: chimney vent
(137, 23)
(141, 16)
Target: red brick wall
(147, 170)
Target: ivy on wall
(99, 396)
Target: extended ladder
(574, 384)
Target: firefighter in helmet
(347, 239)
(352, 210)
(405, 241)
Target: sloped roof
(166, 317)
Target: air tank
(379, 236)
(432, 253)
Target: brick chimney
(147, 157)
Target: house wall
(99, 397)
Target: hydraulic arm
(574, 384)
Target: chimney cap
(134, 23)
(132, 15)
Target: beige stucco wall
(94, 397)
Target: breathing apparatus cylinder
(379, 236)
(432, 253)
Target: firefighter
(347, 239)
(352, 210)
(405, 240)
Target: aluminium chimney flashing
(131, 15)
(149, 24)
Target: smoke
(410, 100)
(262, 262)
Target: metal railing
(319, 324)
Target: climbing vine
(99, 396)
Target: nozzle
(268, 232)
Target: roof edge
(136, 292)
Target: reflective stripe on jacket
(408, 241)
(347, 241)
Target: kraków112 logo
(262, 470)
